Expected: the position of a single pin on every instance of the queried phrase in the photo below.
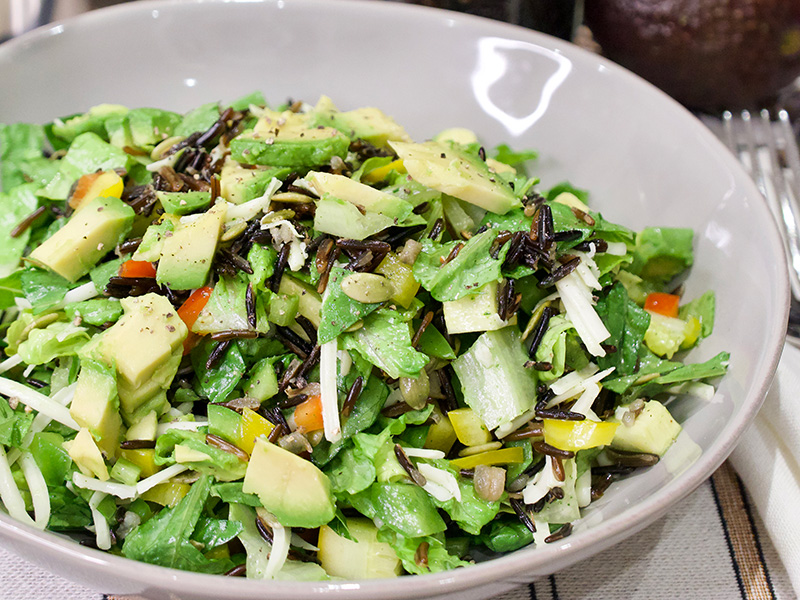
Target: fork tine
(791, 152)
(781, 196)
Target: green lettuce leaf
(14, 424)
(220, 464)
(20, 144)
(14, 207)
(627, 324)
(385, 341)
(470, 270)
(166, 539)
(339, 311)
(439, 559)
(56, 340)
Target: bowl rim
(572, 549)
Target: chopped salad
(291, 343)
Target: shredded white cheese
(251, 208)
(183, 425)
(101, 529)
(577, 299)
(424, 453)
(160, 477)
(541, 483)
(37, 401)
(10, 363)
(617, 248)
(9, 492)
(284, 232)
(542, 532)
(63, 397)
(84, 292)
(38, 489)
(583, 488)
(280, 543)
(120, 490)
(581, 383)
(169, 161)
(506, 428)
(328, 392)
(441, 484)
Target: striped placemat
(711, 546)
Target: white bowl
(644, 158)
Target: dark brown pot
(708, 54)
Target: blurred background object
(19, 16)
(708, 54)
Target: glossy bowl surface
(645, 160)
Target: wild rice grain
(548, 450)
(409, 467)
(352, 396)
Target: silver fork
(768, 151)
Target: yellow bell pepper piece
(441, 435)
(503, 456)
(253, 425)
(469, 428)
(96, 185)
(692, 332)
(382, 173)
(578, 435)
(144, 459)
(402, 278)
(166, 494)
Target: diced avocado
(96, 405)
(185, 454)
(289, 145)
(187, 254)
(263, 382)
(343, 219)
(145, 428)
(457, 135)
(364, 558)
(93, 120)
(238, 184)
(653, 431)
(183, 203)
(494, 379)
(224, 422)
(362, 196)
(87, 237)
(87, 456)
(309, 302)
(446, 168)
(367, 123)
(146, 345)
(148, 126)
(153, 239)
(661, 253)
(475, 312)
(291, 488)
(665, 335)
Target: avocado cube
(475, 312)
(653, 431)
(146, 346)
(96, 405)
(84, 451)
(309, 302)
(238, 184)
(290, 145)
(87, 237)
(359, 194)
(290, 487)
(368, 123)
(187, 255)
(183, 203)
(451, 171)
(364, 558)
